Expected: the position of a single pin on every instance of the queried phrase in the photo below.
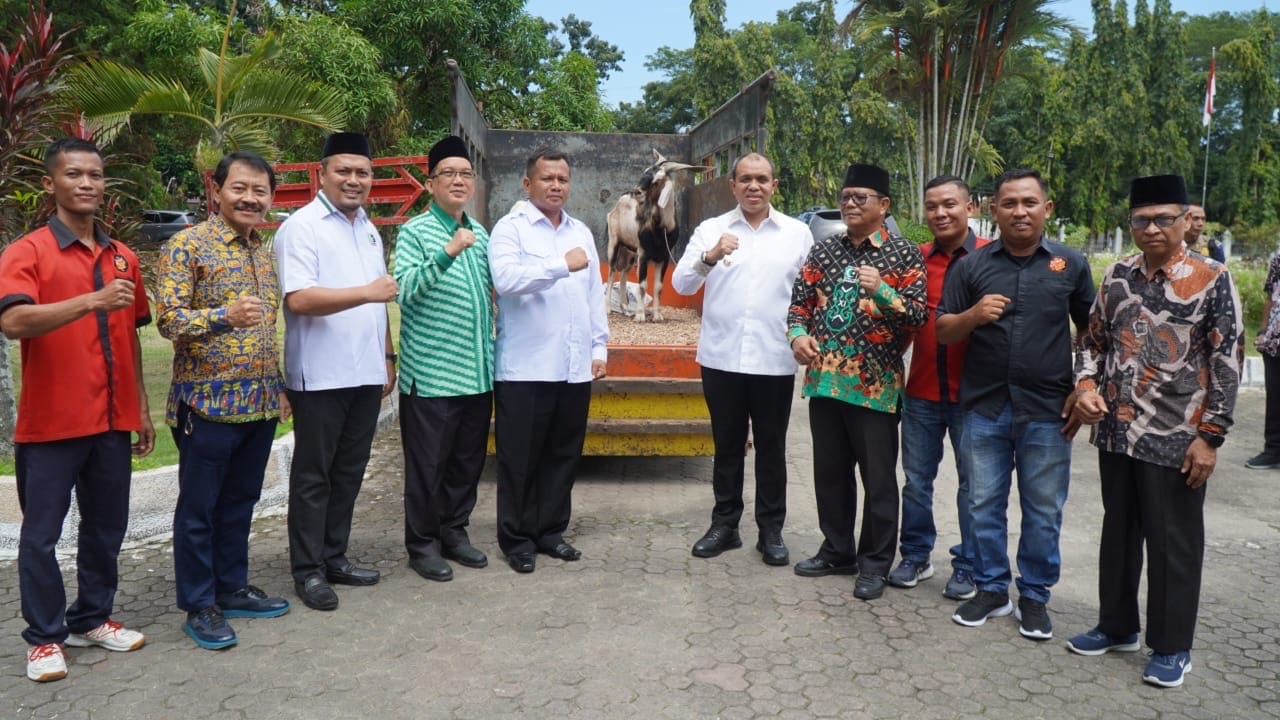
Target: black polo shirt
(1025, 357)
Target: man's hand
(245, 312)
(989, 308)
(576, 259)
(382, 290)
(598, 369)
(286, 409)
(804, 349)
(115, 295)
(391, 378)
(727, 243)
(869, 278)
(461, 240)
(1199, 463)
(1081, 408)
(146, 436)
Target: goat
(642, 230)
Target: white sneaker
(110, 635)
(45, 663)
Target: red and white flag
(1208, 93)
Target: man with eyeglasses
(1014, 300)
(339, 364)
(446, 365)
(859, 298)
(747, 259)
(1157, 371)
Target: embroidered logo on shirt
(1058, 263)
(373, 239)
(122, 265)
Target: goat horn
(673, 166)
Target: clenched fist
(245, 312)
(727, 243)
(382, 290)
(576, 259)
(989, 308)
(869, 278)
(461, 240)
(115, 295)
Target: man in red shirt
(75, 298)
(930, 409)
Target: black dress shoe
(564, 551)
(349, 574)
(772, 549)
(467, 555)
(522, 562)
(718, 539)
(818, 567)
(432, 567)
(316, 593)
(868, 586)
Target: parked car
(158, 225)
(825, 223)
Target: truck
(651, 403)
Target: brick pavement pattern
(640, 629)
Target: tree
(239, 100)
(606, 56)
(718, 69)
(944, 64)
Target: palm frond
(284, 96)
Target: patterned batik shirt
(861, 336)
(1164, 350)
(223, 373)
(1268, 341)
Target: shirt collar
(969, 245)
(450, 224)
(876, 238)
(228, 234)
(66, 238)
(737, 216)
(360, 213)
(530, 212)
(1040, 246)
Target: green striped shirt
(446, 309)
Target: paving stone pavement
(640, 629)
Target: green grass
(157, 365)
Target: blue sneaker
(209, 629)
(1167, 670)
(961, 586)
(1096, 642)
(251, 602)
(909, 572)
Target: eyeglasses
(449, 174)
(1161, 221)
(858, 199)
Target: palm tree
(239, 100)
(943, 60)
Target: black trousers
(1271, 426)
(539, 430)
(1151, 504)
(444, 441)
(845, 436)
(97, 468)
(333, 433)
(765, 400)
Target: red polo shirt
(79, 379)
(935, 369)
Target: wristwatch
(704, 261)
(392, 357)
(1211, 439)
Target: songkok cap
(867, 176)
(451, 146)
(1158, 190)
(346, 143)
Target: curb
(153, 493)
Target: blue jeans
(924, 424)
(1042, 455)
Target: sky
(640, 28)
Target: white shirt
(551, 323)
(317, 246)
(744, 308)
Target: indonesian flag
(1208, 93)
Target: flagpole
(1204, 182)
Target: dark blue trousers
(220, 467)
(97, 467)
